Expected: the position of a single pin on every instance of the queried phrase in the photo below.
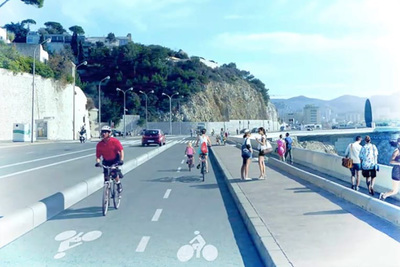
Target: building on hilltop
(3, 35)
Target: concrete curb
(267, 246)
(373, 205)
(23, 220)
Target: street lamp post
(180, 118)
(151, 92)
(170, 110)
(124, 92)
(73, 97)
(106, 78)
(33, 85)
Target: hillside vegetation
(145, 68)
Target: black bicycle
(110, 189)
(203, 165)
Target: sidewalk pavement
(295, 223)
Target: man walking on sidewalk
(353, 152)
(288, 141)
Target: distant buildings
(312, 115)
(3, 35)
(58, 41)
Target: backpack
(246, 153)
(204, 148)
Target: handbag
(267, 148)
(347, 163)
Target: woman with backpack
(247, 152)
(205, 142)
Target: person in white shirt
(353, 152)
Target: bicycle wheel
(190, 164)
(116, 196)
(106, 199)
(203, 169)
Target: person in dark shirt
(288, 141)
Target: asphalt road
(30, 173)
(168, 217)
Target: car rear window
(151, 132)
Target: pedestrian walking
(262, 146)
(247, 152)
(353, 152)
(281, 148)
(288, 141)
(369, 163)
(395, 160)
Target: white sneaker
(381, 196)
(247, 178)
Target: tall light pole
(179, 108)
(73, 97)
(124, 92)
(33, 85)
(106, 78)
(170, 110)
(151, 92)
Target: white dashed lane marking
(179, 169)
(156, 215)
(167, 193)
(142, 244)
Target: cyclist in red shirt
(112, 152)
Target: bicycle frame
(203, 164)
(110, 189)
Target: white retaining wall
(53, 103)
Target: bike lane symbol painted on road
(198, 245)
(70, 239)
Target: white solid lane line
(45, 166)
(167, 193)
(34, 160)
(142, 244)
(156, 215)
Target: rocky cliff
(228, 101)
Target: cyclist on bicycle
(112, 152)
(203, 138)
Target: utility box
(21, 132)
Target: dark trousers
(288, 152)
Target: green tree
(53, 27)
(76, 42)
(37, 3)
(19, 30)
(28, 22)
(111, 37)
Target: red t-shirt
(108, 149)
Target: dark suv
(154, 136)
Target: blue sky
(322, 48)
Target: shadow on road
(88, 212)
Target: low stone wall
(53, 104)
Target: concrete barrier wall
(22, 221)
(332, 165)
